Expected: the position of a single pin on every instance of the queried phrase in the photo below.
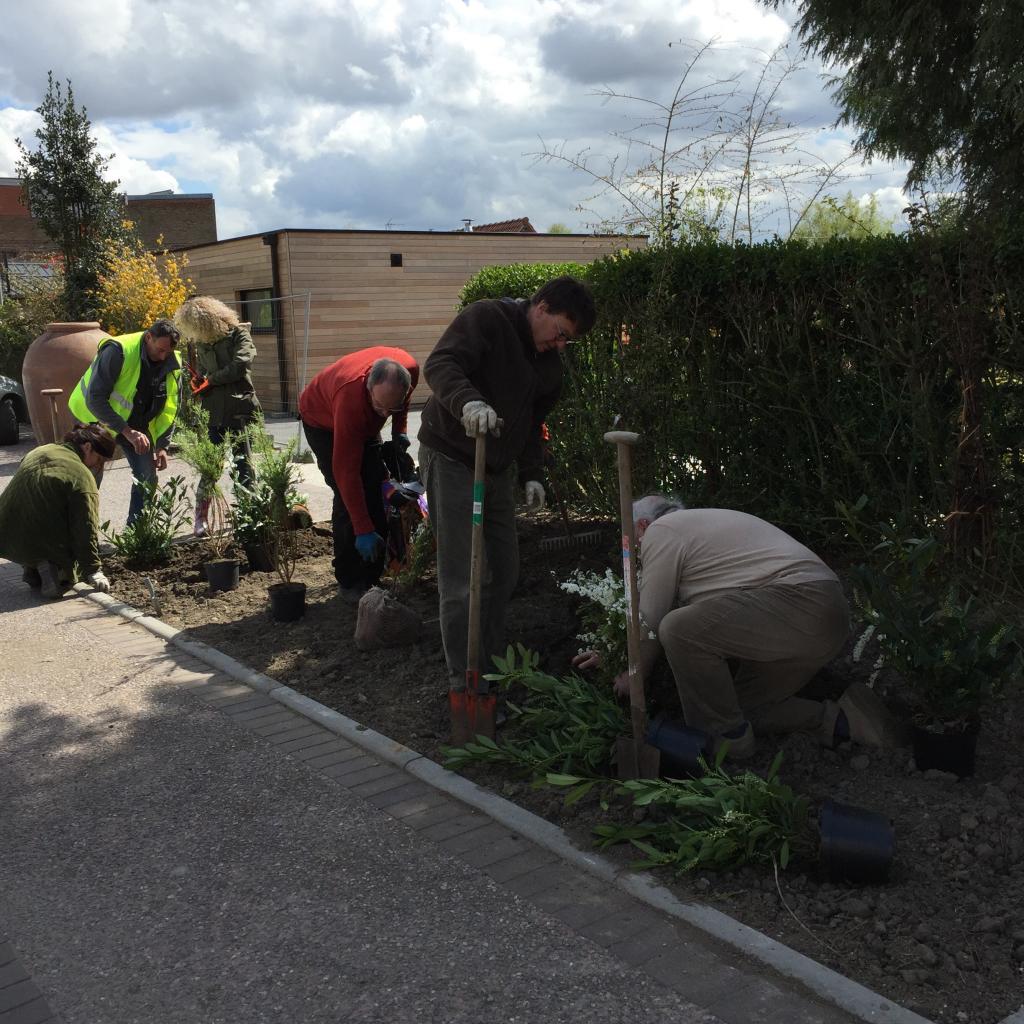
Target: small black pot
(947, 751)
(259, 558)
(681, 747)
(287, 601)
(222, 574)
(856, 845)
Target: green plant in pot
(954, 651)
(253, 524)
(213, 517)
(720, 821)
(148, 541)
(275, 481)
(252, 512)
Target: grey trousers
(778, 636)
(449, 487)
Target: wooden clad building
(364, 288)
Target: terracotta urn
(57, 359)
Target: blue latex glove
(369, 545)
(402, 440)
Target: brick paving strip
(21, 1002)
(624, 912)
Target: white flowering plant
(604, 618)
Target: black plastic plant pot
(947, 751)
(222, 574)
(258, 558)
(287, 601)
(681, 747)
(856, 845)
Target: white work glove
(535, 493)
(478, 418)
(99, 582)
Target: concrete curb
(831, 986)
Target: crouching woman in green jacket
(50, 512)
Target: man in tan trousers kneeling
(718, 586)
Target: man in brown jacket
(496, 370)
(745, 615)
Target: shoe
(30, 575)
(871, 724)
(49, 581)
(738, 748)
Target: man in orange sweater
(343, 410)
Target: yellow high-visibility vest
(123, 395)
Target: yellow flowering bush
(138, 286)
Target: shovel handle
(476, 558)
(624, 441)
(51, 394)
(473, 708)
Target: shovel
(473, 708)
(51, 394)
(635, 757)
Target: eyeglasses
(566, 337)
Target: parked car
(13, 409)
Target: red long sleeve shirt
(336, 399)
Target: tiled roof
(519, 226)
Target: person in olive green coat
(222, 378)
(50, 511)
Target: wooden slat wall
(225, 270)
(358, 299)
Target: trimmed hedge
(782, 378)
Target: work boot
(741, 743)
(51, 584)
(30, 575)
(869, 721)
(202, 511)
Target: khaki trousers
(449, 487)
(778, 637)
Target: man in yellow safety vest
(131, 387)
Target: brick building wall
(182, 220)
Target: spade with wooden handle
(51, 394)
(473, 708)
(634, 756)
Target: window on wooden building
(258, 309)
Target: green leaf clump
(717, 821)
(148, 540)
(566, 724)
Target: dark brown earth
(945, 935)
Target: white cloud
(349, 113)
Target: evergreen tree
(934, 82)
(65, 191)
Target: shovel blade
(636, 759)
(472, 715)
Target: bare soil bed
(944, 937)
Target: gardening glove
(478, 418)
(99, 582)
(369, 545)
(402, 440)
(535, 493)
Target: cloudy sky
(416, 114)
